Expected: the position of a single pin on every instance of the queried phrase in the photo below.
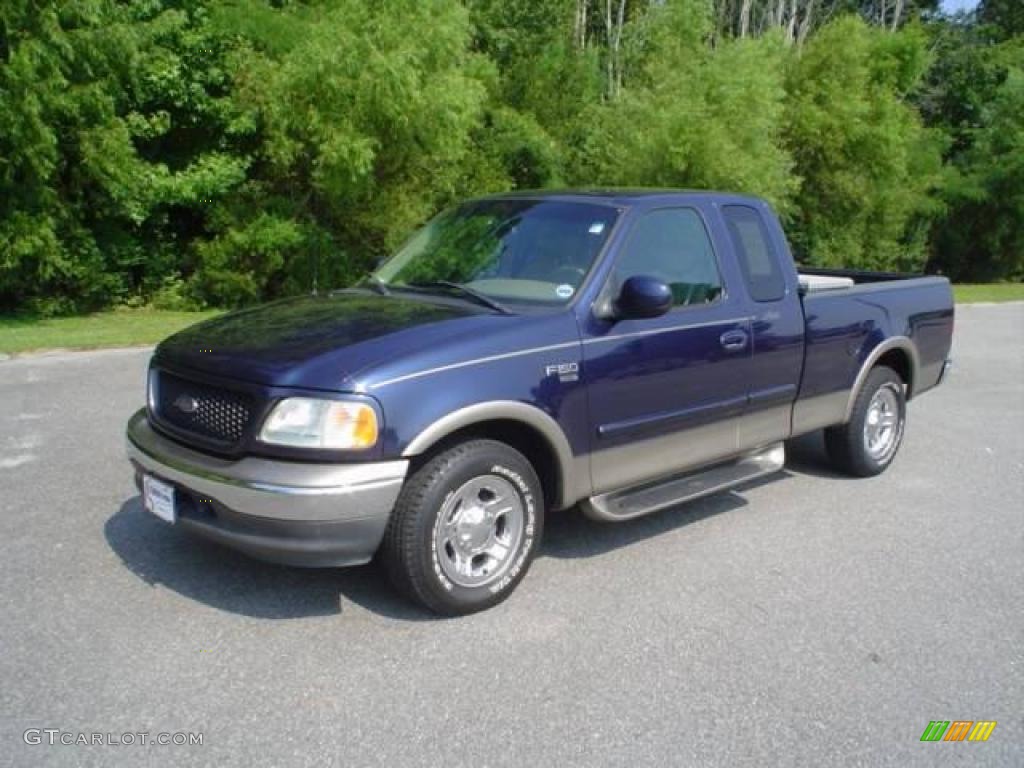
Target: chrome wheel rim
(479, 530)
(883, 424)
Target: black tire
(409, 549)
(846, 444)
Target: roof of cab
(624, 195)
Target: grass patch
(968, 293)
(119, 328)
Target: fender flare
(901, 343)
(505, 410)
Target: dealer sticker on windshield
(596, 228)
(564, 291)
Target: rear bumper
(286, 512)
(946, 366)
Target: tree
(223, 152)
(1004, 18)
(365, 130)
(710, 117)
(870, 168)
(114, 134)
(973, 93)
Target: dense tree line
(219, 152)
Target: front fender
(572, 477)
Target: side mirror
(643, 296)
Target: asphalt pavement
(808, 620)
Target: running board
(653, 496)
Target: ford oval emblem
(186, 404)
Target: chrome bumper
(292, 512)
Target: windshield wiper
(479, 298)
(376, 284)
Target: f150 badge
(564, 371)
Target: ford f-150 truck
(619, 350)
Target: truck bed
(849, 315)
(817, 279)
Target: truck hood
(320, 342)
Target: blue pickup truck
(618, 350)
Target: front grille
(214, 413)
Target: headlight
(313, 423)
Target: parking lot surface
(809, 620)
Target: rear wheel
(465, 528)
(867, 444)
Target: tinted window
(758, 263)
(535, 251)
(672, 245)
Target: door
(667, 393)
(777, 325)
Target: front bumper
(283, 511)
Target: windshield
(535, 251)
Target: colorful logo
(958, 730)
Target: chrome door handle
(733, 340)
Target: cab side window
(672, 245)
(757, 258)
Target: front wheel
(868, 442)
(465, 528)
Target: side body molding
(509, 410)
(901, 343)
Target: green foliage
(117, 328)
(1004, 18)
(869, 166)
(711, 118)
(364, 131)
(114, 137)
(541, 86)
(983, 237)
(190, 153)
(974, 94)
